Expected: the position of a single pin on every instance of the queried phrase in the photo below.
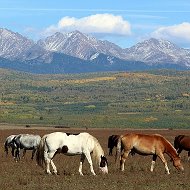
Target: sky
(123, 22)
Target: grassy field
(101, 104)
(26, 175)
(154, 99)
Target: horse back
(27, 141)
(73, 143)
(143, 144)
(182, 141)
(112, 141)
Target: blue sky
(122, 22)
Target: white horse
(26, 142)
(10, 144)
(82, 144)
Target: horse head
(103, 165)
(177, 163)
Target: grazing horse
(26, 142)
(182, 142)
(82, 144)
(112, 142)
(10, 144)
(142, 144)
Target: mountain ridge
(63, 52)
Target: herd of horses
(88, 147)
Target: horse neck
(97, 151)
(170, 150)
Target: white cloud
(175, 33)
(98, 23)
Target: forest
(149, 99)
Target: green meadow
(152, 99)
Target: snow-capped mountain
(12, 44)
(77, 52)
(151, 51)
(155, 51)
(80, 45)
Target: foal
(142, 144)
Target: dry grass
(27, 175)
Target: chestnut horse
(142, 144)
(182, 142)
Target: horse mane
(169, 149)
(97, 151)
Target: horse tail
(118, 148)
(109, 141)
(6, 147)
(40, 152)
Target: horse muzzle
(104, 170)
(181, 168)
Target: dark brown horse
(112, 142)
(182, 142)
(142, 144)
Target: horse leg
(17, 154)
(48, 159)
(110, 151)
(23, 153)
(53, 166)
(161, 156)
(188, 156)
(33, 152)
(123, 159)
(47, 162)
(12, 152)
(6, 150)
(88, 157)
(153, 162)
(82, 158)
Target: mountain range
(76, 52)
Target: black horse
(112, 142)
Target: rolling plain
(101, 104)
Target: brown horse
(142, 144)
(182, 142)
(112, 142)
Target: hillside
(153, 99)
